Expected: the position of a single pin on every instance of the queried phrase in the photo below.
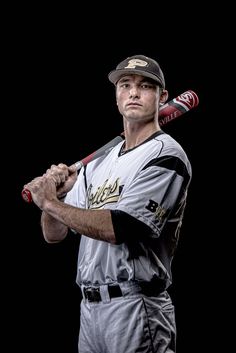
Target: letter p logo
(135, 62)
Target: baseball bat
(167, 112)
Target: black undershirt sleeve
(128, 228)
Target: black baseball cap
(138, 65)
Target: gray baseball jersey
(149, 184)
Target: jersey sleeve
(77, 195)
(157, 192)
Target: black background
(62, 107)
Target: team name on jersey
(106, 193)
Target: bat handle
(26, 195)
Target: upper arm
(156, 191)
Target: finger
(72, 169)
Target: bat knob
(26, 195)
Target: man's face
(137, 97)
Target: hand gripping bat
(167, 112)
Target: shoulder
(171, 147)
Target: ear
(164, 96)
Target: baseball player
(128, 208)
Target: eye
(147, 86)
(124, 85)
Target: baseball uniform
(145, 188)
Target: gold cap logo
(136, 62)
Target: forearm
(96, 224)
(53, 230)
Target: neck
(135, 135)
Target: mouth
(133, 105)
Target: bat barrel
(177, 106)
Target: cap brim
(115, 75)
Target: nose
(134, 92)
